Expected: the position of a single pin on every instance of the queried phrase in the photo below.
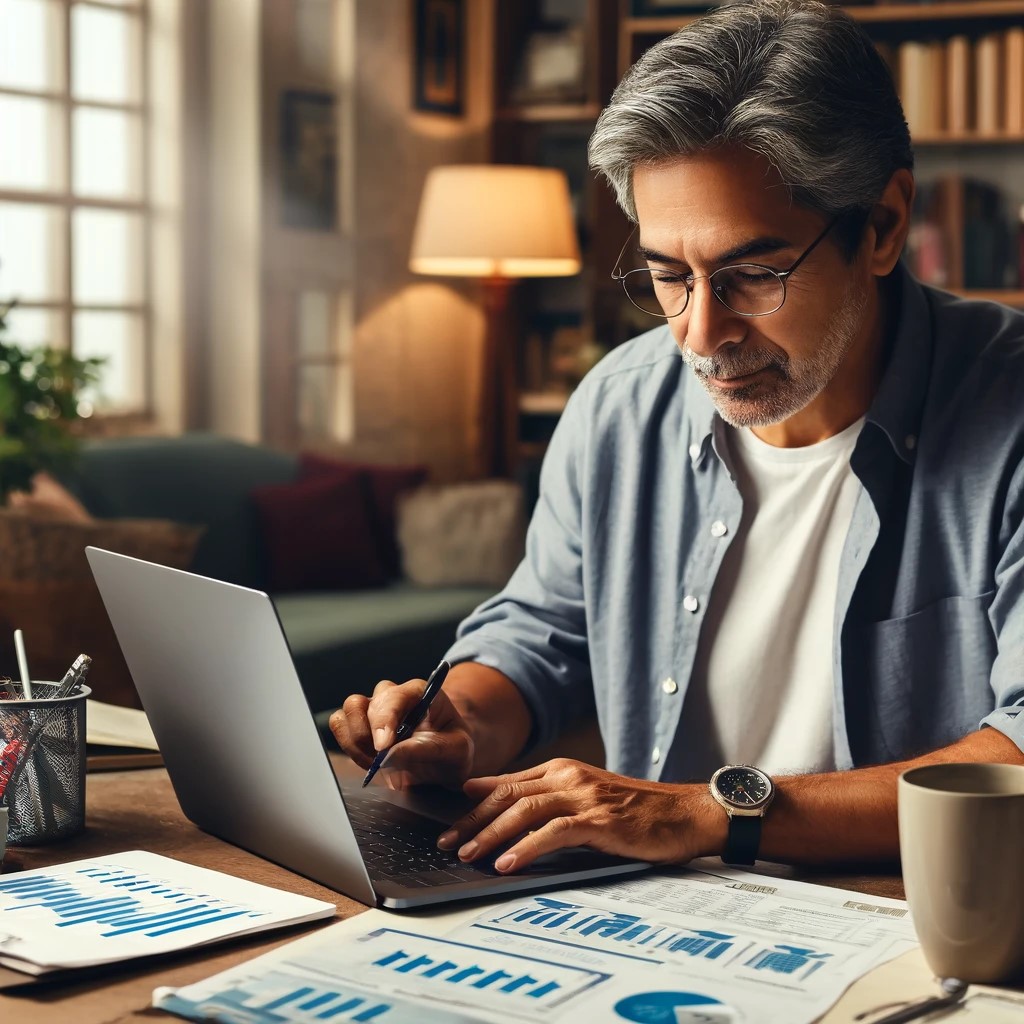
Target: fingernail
(468, 851)
(447, 839)
(505, 862)
(381, 737)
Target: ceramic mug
(962, 847)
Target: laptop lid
(216, 677)
(213, 669)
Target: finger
(557, 834)
(429, 756)
(482, 785)
(352, 731)
(389, 705)
(475, 833)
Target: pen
(954, 992)
(413, 718)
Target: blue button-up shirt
(621, 556)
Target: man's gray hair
(794, 80)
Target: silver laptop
(212, 666)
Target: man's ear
(889, 223)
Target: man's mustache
(738, 363)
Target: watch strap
(744, 839)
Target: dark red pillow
(318, 533)
(387, 485)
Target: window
(74, 201)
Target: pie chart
(673, 1008)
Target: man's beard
(788, 386)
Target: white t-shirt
(761, 691)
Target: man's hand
(566, 803)
(440, 751)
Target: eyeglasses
(744, 288)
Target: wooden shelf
(550, 112)
(937, 11)
(880, 12)
(969, 139)
(1007, 296)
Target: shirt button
(695, 452)
(690, 603)
(910, 441)
(669, 685)
(655, 755)
(718, 528)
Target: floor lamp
(497, 223)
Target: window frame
(67, 201)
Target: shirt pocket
(919, 682)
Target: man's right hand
(440, 751)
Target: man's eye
(671, 279)
(755, 276)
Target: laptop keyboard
(401, 846)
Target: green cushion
(346, 642)
(195, 478)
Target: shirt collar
(899, 401)
(896, 409)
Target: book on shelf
(964, 234)
(919, 74)
(988, 84)
(958, 85)
(1014, 74)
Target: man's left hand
(565, 803)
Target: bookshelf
(967, 127)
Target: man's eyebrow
(755, 247)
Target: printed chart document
(711, 946)
(133, 904)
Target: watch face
(743, 787)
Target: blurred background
(218, 211)
(219, 197)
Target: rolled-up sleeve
(535, 630)
(1007, 617)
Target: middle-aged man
(801, 545)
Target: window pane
(105, 51)
(34, 161)
(325, 405)
(119, 338)
(108, 259)
(107, 154)
(31, 252)
(324, 324)
(314, 37)
(33, 327)
(30, 45)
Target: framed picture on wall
(438, 74)
(309, 160)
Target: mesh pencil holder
(46, 794)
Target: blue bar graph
(783, 959)
(556, 920)
(275, 997)
(116, 902)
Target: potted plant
(39, 404)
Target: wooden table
(138, 810)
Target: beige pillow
(462, 534)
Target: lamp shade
(485, 220)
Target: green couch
(342, 642)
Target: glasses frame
(782, 275)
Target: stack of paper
(717, 947)
(128, 905)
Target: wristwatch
(745, 793)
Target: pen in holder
(45, 790)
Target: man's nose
(708, 324)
